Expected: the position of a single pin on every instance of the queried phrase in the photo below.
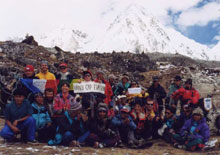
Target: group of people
(113, 119)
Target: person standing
(44, 73)
(64, 74)
(187, 95)
(172, 88)
(108, 88)
(157, 92)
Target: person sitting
(49, 95)
(42, 118)
(80, 125)
(102, 132)
(139, 118)
(62, 100)
(194, 134)
(185, 115)
(120, 103)
(187, 94)
(18, 119)
(62, 103)
(126, 126)
(44, 73)
(152, 118)
(169, 127)
(65, 127)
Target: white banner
(134, 90)
(89, 87)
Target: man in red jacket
(187, 94)
(108, 88)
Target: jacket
(60, 103)
(157, 92)
(120, 88)
(118, 122)
(79, 127)
(139, 120)
(201, 131)
(47, 76)
(172, 88)
(102, 128)
(187, 95)
(64, 76)
(41, 115)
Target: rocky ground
(159, 148)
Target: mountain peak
(133, 29)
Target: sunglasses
(150, 104)
(87, 76)
(62, 67)
(167, 113)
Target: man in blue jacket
(125, 125)
(18, 119)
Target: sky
(197, 19)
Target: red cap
(29, 68)
(63, 64)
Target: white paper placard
(134, 90)
(89, 87)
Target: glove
(185, 135)
(113, 133)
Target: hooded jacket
(201, 131)
(41, 115)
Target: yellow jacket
(47, 76)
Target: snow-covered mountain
(134, 29)
(215, 52)
(65, 37)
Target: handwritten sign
(89, 87)
(134, 90)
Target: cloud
(41, 16)
(200, 16)
(217, 38)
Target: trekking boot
(73, 143)
(120, 144)
(132, 145)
